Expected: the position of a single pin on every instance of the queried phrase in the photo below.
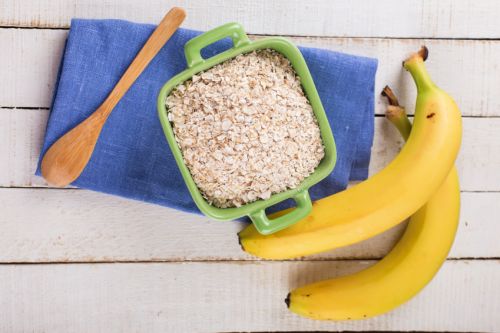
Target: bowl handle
(266, 226)
(193, 47)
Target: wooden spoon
(68, 156)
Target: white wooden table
(78, 261)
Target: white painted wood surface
(36, 54)
(226, 297)
(340, 18)
(480, 154)
(83, 226)
(78, 261)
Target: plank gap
(493, 39)
(47, 187)
(376, 115)
(225, 261)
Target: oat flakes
(245, 129)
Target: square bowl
(241, 44)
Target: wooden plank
(45, 225)
(29, 66)
(462, 68)
(480, 144)
(33, 59)
(393, 18)
(227, 297)
(21, 133)
(21, 138)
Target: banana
(403, 272)
(385, 199)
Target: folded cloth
(132, 158)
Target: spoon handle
(155, 42)
(66, 159)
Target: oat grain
(245, 129)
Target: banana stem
(396, 113)
(387, 92)
(398, 117)
(415, 65)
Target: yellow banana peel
(406, 270)
(385, 199)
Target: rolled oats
(245, 129)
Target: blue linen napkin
(132, 158)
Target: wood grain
(226, 297)
(21, 137)
(47, 225)
(465, 69)
(29, 65)
(340, 18)
(480, 153)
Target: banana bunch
(420, 182)
(410, 265)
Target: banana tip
(391, 97)
(287, 300)
(239, 242)
(384, 91)
(422, 54)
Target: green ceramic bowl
(196, 64)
